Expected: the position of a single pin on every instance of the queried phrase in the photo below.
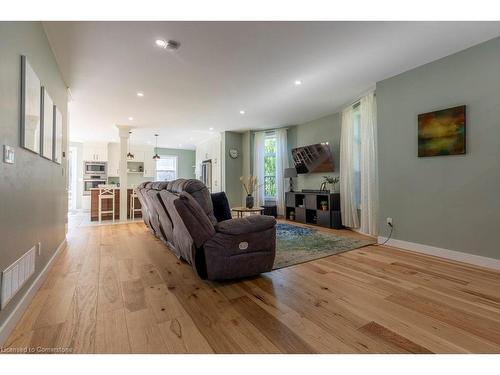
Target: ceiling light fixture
(210, 129)
(242, 112)
(161, 43)
(131, 119)
(129, 154)
(156, 156)
(180, 144)
(167, 44)
(140, 94)
(298, 82)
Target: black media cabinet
(307, 208)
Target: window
(166, 168)
(270, 167)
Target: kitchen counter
(107, 205)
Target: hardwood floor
(116, 289)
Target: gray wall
(325, 129)
(450, 202)
(33, 197)
(233, 168)
(186, 161)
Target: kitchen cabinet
(113, 159)
(142, 154)
(107, 206)
(149, 162)
(95, 152)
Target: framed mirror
(30, 107)
(47, 125)
(58, 135)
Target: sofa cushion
(196, 221)
(222, 211)
(201, 194)
(249, 224)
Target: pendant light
(129, 154)
(156, 156)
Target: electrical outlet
(389, 221)
(39, 248)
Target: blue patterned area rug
(296, 244)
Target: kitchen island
(106, 205)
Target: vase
(249, 201)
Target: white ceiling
(222, 67)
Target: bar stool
(106, 192)
(133, 210)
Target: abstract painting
(442, 132)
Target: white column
(124, 136)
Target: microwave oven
(95, 168)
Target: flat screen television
(313, 158)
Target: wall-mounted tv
(313, 158)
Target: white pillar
(124, 136)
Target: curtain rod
(358, 99)
(271, 130)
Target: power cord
(388, 238)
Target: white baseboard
(458, 256)
(16, 314)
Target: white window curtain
(258, 167)
(281, 164)
(369, 165)
(348, 152)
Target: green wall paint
(449, 202)
(233, 168)
(325, 129)
(186, 161)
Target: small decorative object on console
(250, 184)
(324, 205)
(329, 180)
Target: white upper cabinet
(95, 152)
(113, 159)
(149, 162)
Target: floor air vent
(16, 275)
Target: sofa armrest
(245, 225)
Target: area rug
(295, 244)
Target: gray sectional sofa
(181, 214)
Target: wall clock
(233, 153)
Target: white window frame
(268, 136)
(176, 171)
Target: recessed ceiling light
(161, 43)
(210, 129)
(140, 94)
(298, 82)
(242, 112)
(167, 44)
(131, 119)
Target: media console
(314, 207)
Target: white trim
(476, 260)
(16, 314)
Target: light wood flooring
(117, 289)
